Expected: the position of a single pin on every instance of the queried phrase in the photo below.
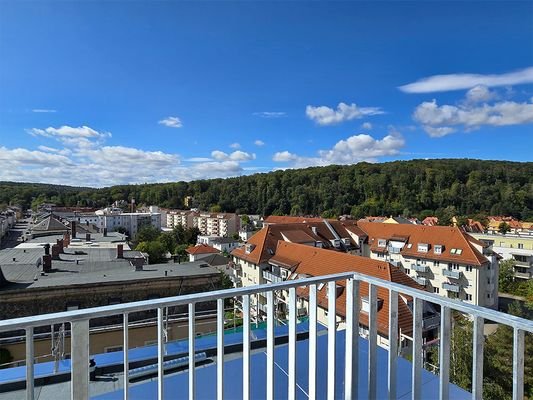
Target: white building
(444, 259)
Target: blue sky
(101, 93)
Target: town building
(445, 260)
(518, 248)
(210, 224)
(296, 261)
(222, 244)
(200, 251)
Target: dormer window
(456, 251)
(423, 247)
(437, 249)
(382, 242)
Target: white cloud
(171, 122)
(270, 114)
(439, 121)
(31, 158)
(324, 115)
(367, 126)
(479, 94)
(81, 136)
(352, 150)
(444, 83)
(85, 161)
(235, 156)
(259, 143)
(235, 145)
(43, 110)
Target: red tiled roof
(447, 236)
(315, 262)
(285, 219)
(201, 249)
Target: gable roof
(315, 262)
(50, 224)
(286, 219)
(446, 236)
(201, 249)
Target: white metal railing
(79, 320)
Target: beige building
(445, 260)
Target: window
(423, 247)
(382, 242)
(407, 271)
(468, 268)
(468, 297)
(437, 249)
(520, 245)
(437, 263)
(321, 286)
(436, 290)
(489, 296)
(456, 251)
(409, 245)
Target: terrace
(294, 361)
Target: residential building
(200, 251)
(296, 261)
(222, 244)
(132, 222)
(217, 224)
(179, 217)
(445, 260)
(518, 248)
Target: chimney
(47, 249)
(60, 243)
(88, 237)
(47, 263)
(55, 252)
(73, 228)
(138, 263)
(120, 251)
(105, 232)
(66, 240)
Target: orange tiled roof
(316, 262)
(447, 236)
(201, 249)
(286, 219)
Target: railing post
(192, 361)
(444, 353)
(372, 340)
(393, 342)
(125, 348)
(477, 359)
(312, 342)
(292, 344)
(518, 364)
(270, 346)
(352, 339)
(220, 349)
(246, 347)
(416, 384)
(160, 355)
(332, 332)
(30, 357)
(79, 388)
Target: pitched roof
(315, 262)
(50, 224)
(446, 236)
(285, 219)
(201, 249)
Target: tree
(503, 228)
(147, 234)
(215, 208)
(155, 249)
(506, 276)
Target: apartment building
(211, 224)
(296, 261)
(445, 260)
(518, 248)
(179, 217)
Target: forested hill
(415, 188)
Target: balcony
(452, 273)
(420, 268)
(421, 281)
(452, 287)
(272, 277)
(336, 364)
(523, 275)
